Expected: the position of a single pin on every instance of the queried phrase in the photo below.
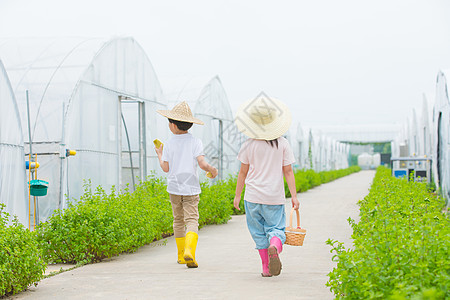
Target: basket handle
(298, 217)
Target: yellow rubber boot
(189, 251)
(180, 247)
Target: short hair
(185, 126)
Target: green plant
(230, 185)
(101, 225)
(21, 262)
(214, 206)
(401, 245)
(307, 179)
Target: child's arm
(290, 179)
(164, 164)
(243, 171)
(205, 166)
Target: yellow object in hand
(209, 174)
(157, 143)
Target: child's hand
(295, 203)
(159, 150)
(236, 202)
(214, 172)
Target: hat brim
(174, 116)
(267, 132)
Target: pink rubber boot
(263, 253)
(274, 249)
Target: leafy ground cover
(21, 261)
(401, 245)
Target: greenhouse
(221, 140)
(301, 148)
(209, 102)
(322, 152)
(314, 139)
(442, 133)
(426, 137)
(342, 155)
(97, 97)
(413, 135)
(13, 187)
(399, 145)
(367, 133)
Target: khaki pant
(185, 214)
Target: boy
(179, 158)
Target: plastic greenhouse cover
(301, 148)
(214, 109)
(208, 102)
(361, 133)
(183, 88)
(82, 91)
(442, 133)
(413, 135)
(327, 153)
(426, 139)
(12, 161)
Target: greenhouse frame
(97, 97)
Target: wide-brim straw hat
(181, 112)
(263, 118)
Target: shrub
(214, 207)
(21, 261)
(101, 225)
(229, 185)
(313, 178)
(307, 179)
(401, 245)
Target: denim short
(264, 222)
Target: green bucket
(38, 187)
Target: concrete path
(229, 266)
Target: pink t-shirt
(264, 183)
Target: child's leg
(178, 225)
(275, 218)
(255, 224)
(190, 210)
(190, 207)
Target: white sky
(333, 62)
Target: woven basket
(295, 235)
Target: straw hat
(263, 118)
(181, 112)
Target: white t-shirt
(181, 152)
(264, 183)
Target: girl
(265, 158)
